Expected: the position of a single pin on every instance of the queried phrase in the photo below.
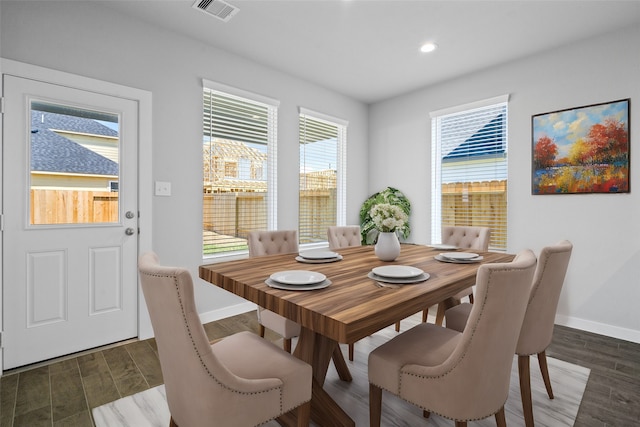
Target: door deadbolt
(130, 215)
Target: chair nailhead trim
(204, 366)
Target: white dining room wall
(602, 286)
(88, 39)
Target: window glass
(321, 177)
(238, 142)
(74, 158)
(469, 171)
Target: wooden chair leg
(287, 345)
(461, 424)
(262, 330)
(471, 298)
(375, 405)
(426, 414)
(501, 421)
(172, 423)
(304, 414)
(425, 314)
(542, 362)
(351, 351)
(440, 314)
(525, 390)
(397, 326)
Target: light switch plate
(163, 188)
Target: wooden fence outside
(235, 214)
(479, 204)
(239, 213)
(73, 207)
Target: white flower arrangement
(388, 217)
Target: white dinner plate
(443, 247)
(298, 277)
(399, 280)
(458, 261)
(277, 285)
(464, 256)
(318, 254)
(397, 271)
(318, 261)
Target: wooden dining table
(351, 308)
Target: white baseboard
(599, 328)
(222, 313)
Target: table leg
(341, 365)
(318, 350)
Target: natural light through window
(469, 169)
(322, 175)
(239, 167)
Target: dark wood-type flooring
(62, 392)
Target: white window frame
(341, 165)
(272, 150)
(436, 157)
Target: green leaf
(390, 195)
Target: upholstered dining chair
(462, 376)
(343, 236)
(463, 237)
(262, 243)
(274, 242)
(537, 328)
(241, 380)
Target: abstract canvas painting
(581, 150)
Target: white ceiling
(369, 50)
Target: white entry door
(70, 241)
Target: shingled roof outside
(51, 152)
(489, 141)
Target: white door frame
(144, 99)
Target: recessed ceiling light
(428, 47)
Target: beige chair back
(262, 243)
(273, 242)
(467, 237)
(537, 328)
(473, 382)
(200, 389)
(343, 236)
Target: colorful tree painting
(582, 150)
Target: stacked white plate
(400, 274)
(318, 256)
(459, 257)
(443, 247)
(298, 280)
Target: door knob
(129, 231)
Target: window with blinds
(469, 169)
(239, 167)
(322, 178)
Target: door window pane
(74, 164)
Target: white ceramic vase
(388, 246)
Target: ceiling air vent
(218, 8)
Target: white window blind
(469, 169)
(322, 175)
(239, 168)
